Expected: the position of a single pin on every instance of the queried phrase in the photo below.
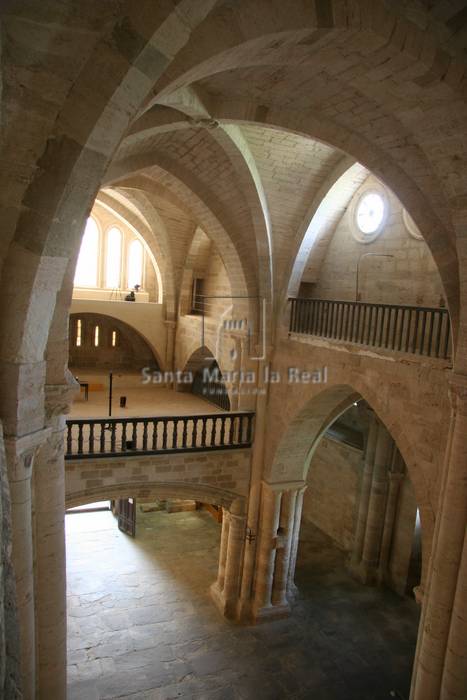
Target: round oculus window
(370, 214)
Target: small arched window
(114, 339)
(79, 333)
(96, 336)
(113, 258)
(86, 274)
(135, 264)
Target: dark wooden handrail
(419, 330)
(89, 438)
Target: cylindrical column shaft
(223, 549)
(368, 466)
(395, 479)
(22, 556)
(233, 563)
(436, 661)
(377, 505)
(267, 552)
(282, 564)
(295, 538)
(50, 580)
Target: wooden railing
(110, 437)
(413, 329)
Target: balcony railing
(115, 437)
(411, 329)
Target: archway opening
(140, 614)
(359, 556)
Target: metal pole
(110, 393)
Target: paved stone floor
(141, 624)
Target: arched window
(113, 258)
(88, 259)
(96, 336)
(114, 339)
(79, 333)
(135, 264)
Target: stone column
(50, 574)
(171, 328)
(454, 682)
(291, 588)
(376, 506)
(395, 480)
(269, 523)
(368, 466)
(20, 454)
(439, 671)
(233, 560)
(223, 549)
(256, 487)
(284, 548)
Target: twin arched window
(88, 268)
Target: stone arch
(291, 460)
(202, 359)
(134, 489)
(130, 328)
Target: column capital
(59, 397)
(283, 486)
(20, 452)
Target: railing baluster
(184, 434)
(112, 436)
(80, 438)
(222, 435)
(438, 334)
(203, 432)
(102, 438)
(91, 437)
(124, 435)
(448, 336)
(155, 424)
(175, 432)
(145, 434)
(415, 331)
(194, 434)
(69, 437)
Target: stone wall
(333, 484)
(131, 351)
(212, 477)
(409, 277)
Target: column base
(226, 608)
(271, 612)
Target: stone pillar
(376, 506)
(20, 454)
(234, 560)
(254, 498)
(50, 575)
(284, 548)
(291, 588)
(368, 466)
(171, 329)
(440, 663)
(454, 683)
(269, 524)
(223, 549)
(226, 590)
(395, 480)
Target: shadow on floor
(142, 625)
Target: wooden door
(126, 513)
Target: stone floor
(142, 626)
(142, 399)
